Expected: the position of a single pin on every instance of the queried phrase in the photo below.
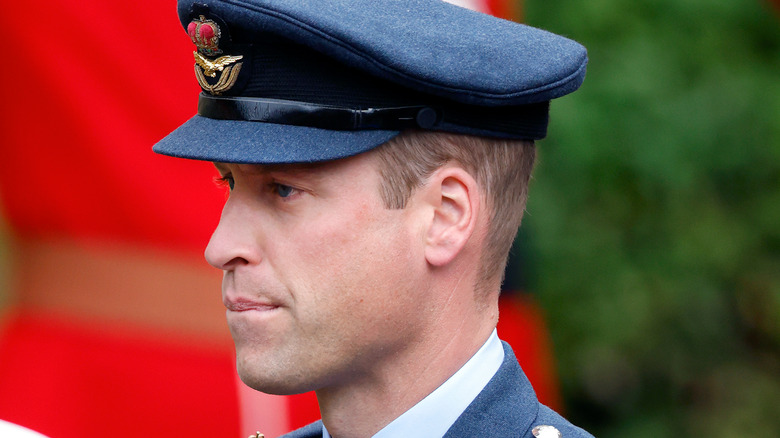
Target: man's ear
(455, 198)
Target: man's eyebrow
(309, 170)
(293, 168)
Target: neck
(364, 406)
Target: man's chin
(269, 379)
(271, 386)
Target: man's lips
(243, 305)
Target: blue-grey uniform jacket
(506, 407)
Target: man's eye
(284, 191)
(226, 180)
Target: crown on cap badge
(205, 35)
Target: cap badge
(205, 34)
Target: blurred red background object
(116, 324)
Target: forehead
(360, 164)
(269, 168)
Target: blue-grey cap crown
(429, 46)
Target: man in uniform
(378, 155)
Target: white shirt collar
(437, 412)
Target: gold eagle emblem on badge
(227, 65)
(210, 68)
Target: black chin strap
(288, 112)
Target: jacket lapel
(506, 407)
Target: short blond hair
(501, 167)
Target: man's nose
(234, 241)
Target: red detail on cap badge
(205, 34)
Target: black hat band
(288, 112)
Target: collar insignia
(545, 431)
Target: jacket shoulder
(313, 430)
(508, 407)
(548, 417)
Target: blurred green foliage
(655, 214)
